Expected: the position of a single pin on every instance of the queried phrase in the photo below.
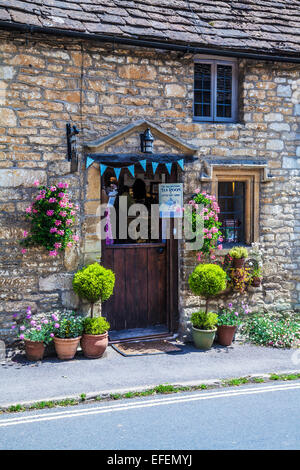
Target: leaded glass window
(215, 91)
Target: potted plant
(94, 283)
(204, 329)
(256, 277)
(228, 321)
(206, 280)
(67, 334)
(36, 334)
(240, 279)
(239, 254)
(94, 341)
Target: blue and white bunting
(102, 168)
(117, 172)
(181, 163)
(89, 162)
(169, 167)
(143, 163)
(154, 166)
(131, 169)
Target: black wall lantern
(147, 140)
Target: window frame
(214, 62)
(251, 178)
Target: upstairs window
(215, 90)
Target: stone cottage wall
(45, 83)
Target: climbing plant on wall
(52, 216)
(205, 207)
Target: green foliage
(256, 272)
(204, 321)
(51, 216)
(236, 382)
(203, 217)
(207, 280)
(283, 333)
(95, 326)
(238, 252)
(33, 330)
(240, 279)
(94, 283)
(230, 315)
(67, 325)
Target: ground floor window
(237, 191)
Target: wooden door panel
(139, 298)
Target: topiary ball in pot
(95, 338)
(207, 280)
(94, 283)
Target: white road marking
(135, 405)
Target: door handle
(160, 250)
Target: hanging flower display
(204, 206)
(52, 216)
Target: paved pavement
(260, 416)
(22, 381)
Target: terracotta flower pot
(203, 339)
(66, 347)
(256, 282)
(94, 346)
(225, 334)
(238, 262)
(34, 350)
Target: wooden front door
(145, 293)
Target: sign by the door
(170, 200)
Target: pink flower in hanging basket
(52, 199)
(57, 223)
(63, 214)
(53, 230)
(57, 245)
(50, 213)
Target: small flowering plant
(231, 315)
(31, 329)
(240, 279)
(205, 210)
(52, 216)
(67, 325)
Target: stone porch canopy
(268, 28)
(178, 147)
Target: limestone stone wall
(45, 83)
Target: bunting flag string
(154, 166)
(89, 162)
(102, 168)
(117, 172)
(169, 167)
(143, 163)
(131, 167)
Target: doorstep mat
(143, 348)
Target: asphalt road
(257, 416)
